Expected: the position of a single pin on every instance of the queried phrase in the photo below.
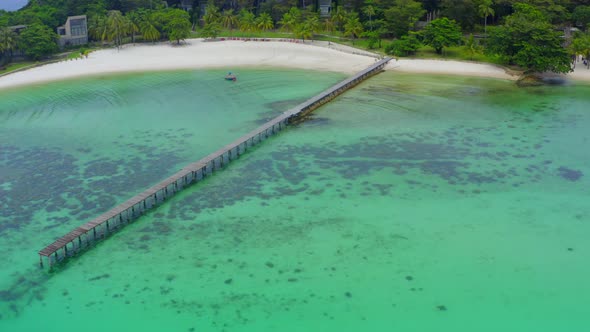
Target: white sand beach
(580, 73)
(196, 53)
(450, 67)
(230, 54)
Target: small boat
(230, 77)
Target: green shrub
(405, 46)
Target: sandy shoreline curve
(450, 67)
(230, 54)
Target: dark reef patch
(570, 174)
(103, 276)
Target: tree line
(528, 33)
(149, 24)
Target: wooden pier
(100, 227)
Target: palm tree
(369, 10)
(8, 41)
(247, 21)
(97, 27)
(485, 10)
(116, 27)
(131, 27)
(211, 14)
(144, 22)
(149, 31)
(290, 19)
(353, 27)
(313, 22)
(307, 28)
(264, 22)
(339, 17)
(328, 25)
(228, 19)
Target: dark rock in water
(228, 281)
(270, 264)
(317, 121)
(348, 294)
(104, 276)
(441, 308)
(570, 249)
(537, 79)
(409, 278)
(570, 174)
(554, 80)
(530, 80)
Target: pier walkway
(100, 227)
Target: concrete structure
(17, 28)
(186, 4)
(325, 7)
(74, 32)
(101, 227)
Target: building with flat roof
(74, 32)
(17, 28)
(186, 4)
(325, 7)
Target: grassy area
(358, 43)
(14, 66)
(259, 34)
(21, 64)
(456, 53)
(335, 37)
(73, 56)
(425, 52)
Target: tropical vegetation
(536, 35)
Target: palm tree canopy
(211, 13)
(485, 8)
(8, 40)
(247, 21)
(353, 27)
(290, 19)
(228, 19)
(264, 22)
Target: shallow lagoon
(413, 202)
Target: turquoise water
(411, 203)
